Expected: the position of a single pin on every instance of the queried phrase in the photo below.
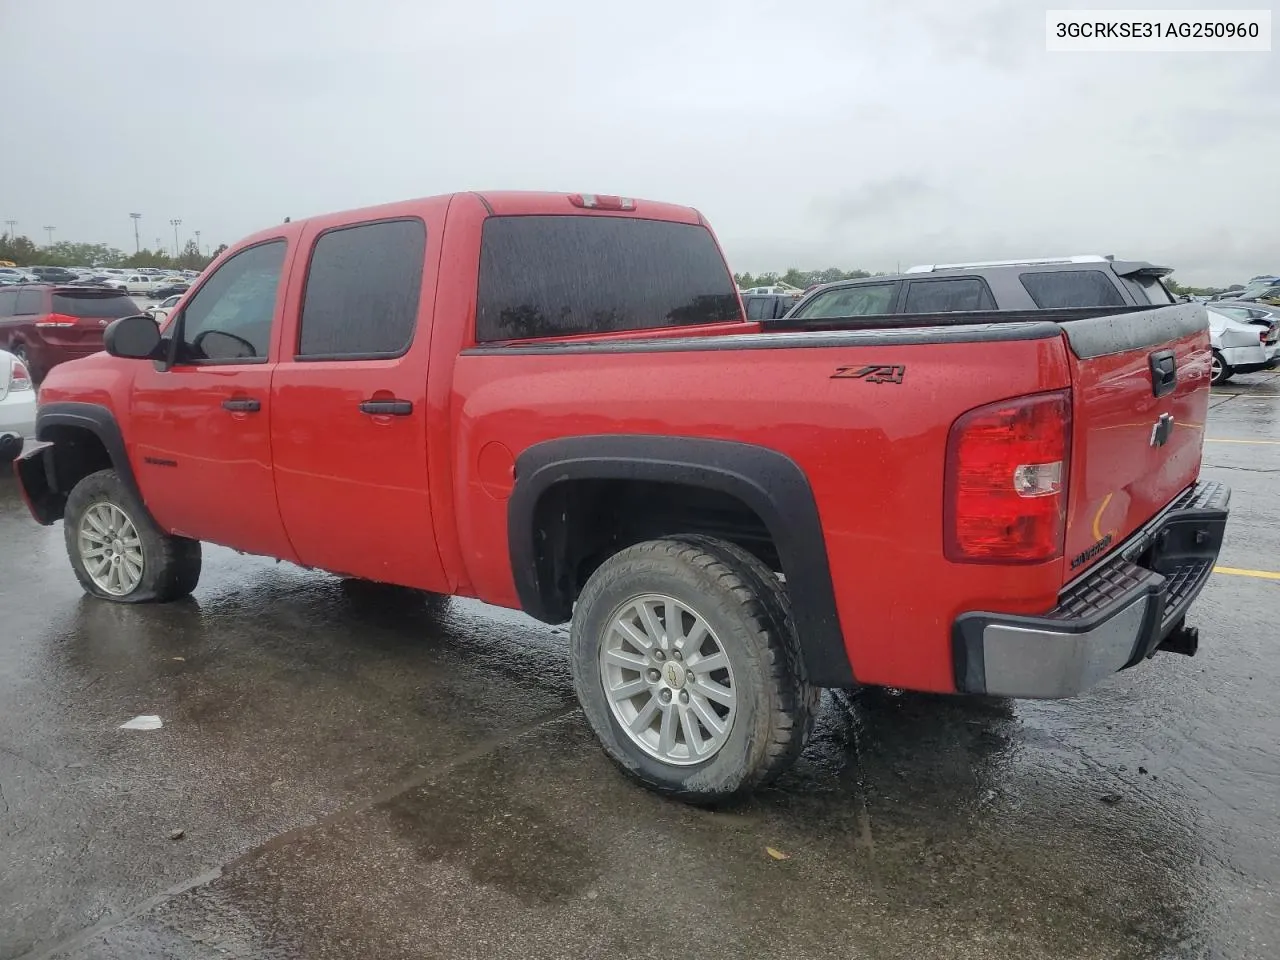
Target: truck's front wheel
(117, 551)
(686, 665)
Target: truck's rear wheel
(686, 665)
(117, 551)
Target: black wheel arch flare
(766, 481)
(92, 418)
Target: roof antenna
(287, 219)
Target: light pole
(176, 222)
(198, 250)
(137, 244)
(13, 226)
(50, 230)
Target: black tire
(743, 603)
(170, 565)
(1224, 372)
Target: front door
(199, 433)
(349, 401)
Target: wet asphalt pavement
(358, 773)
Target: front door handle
(387, 408)
(242, 405)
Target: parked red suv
(45, 324)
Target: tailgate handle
(1164, 372)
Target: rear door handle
(242, 405)
(387, 408)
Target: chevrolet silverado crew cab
(554, 403)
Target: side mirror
(134, 338)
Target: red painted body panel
(421, 500)
(873, 454)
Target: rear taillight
(19, 377)
(1006, 482)
(56, 320)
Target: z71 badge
(874, 373)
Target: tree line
(798, 278)
(22, 251)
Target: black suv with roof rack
(1089, 281)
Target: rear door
(1141, 396)
(349, 421)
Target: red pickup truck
(554, 403)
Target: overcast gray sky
(811, 133)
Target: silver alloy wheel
(1216, 370)
(111, 549)
(668, 680)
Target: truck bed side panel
(873, 452)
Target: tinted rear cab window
(553, 276)
(1071, 288)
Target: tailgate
(1140, 383)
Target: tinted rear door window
(550, 276)
(758, 308)
(1071, 288)
(88, 305)
(362, 291)
(948, 296)
(868, 299)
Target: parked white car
(160, 312)
(1240, 346)
(17, 406)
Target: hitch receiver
(1182, 639)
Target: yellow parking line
(1236, 572)
(1229, 440)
